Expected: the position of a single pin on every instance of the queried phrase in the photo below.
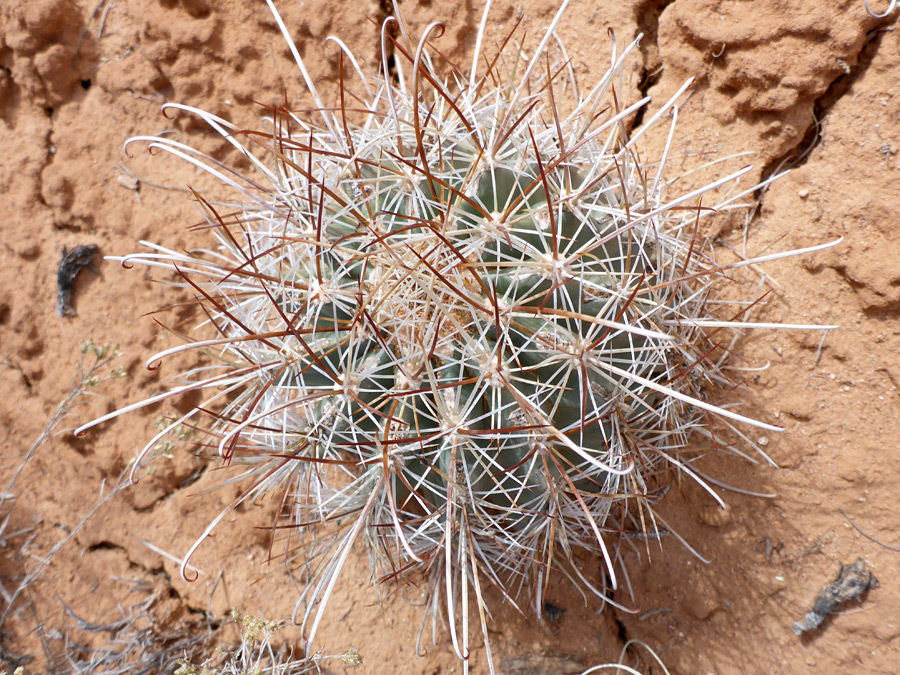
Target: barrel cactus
(454, 325)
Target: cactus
(463, 325)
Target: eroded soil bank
(801, 84)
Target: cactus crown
(467, 325)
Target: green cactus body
(476, 339)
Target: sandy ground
(801, 84)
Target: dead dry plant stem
(84, 380)
(33, 574)
(856, 527)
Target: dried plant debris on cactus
(69, 267)
(465, 324)
(851, 582)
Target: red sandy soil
(802, 84)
